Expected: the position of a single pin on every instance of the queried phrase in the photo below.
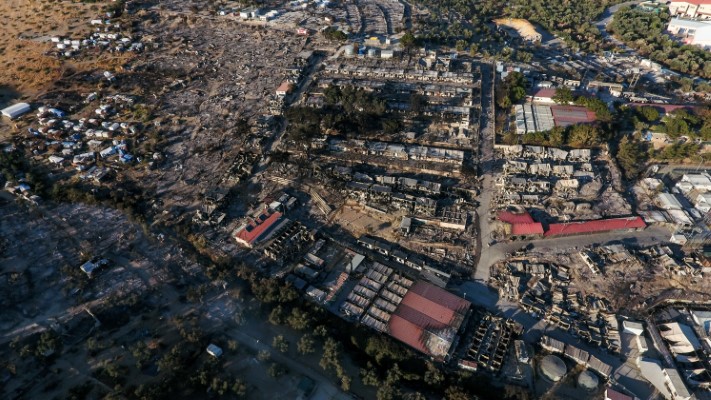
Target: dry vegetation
(26, 26)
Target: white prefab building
(703, 202)
(700, 182)
(666, 380)
(693, 32)
(16, 110)
(56, 159)
(700, 9)
(631, 327)
(669, 201)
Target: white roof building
(632, 327)
(668, 201)
(692, 32)
(666, 380)
(16, 110)
(700, 182)
(700, 9)
(681, 337)
(703, 202)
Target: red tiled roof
(604, 225)
(615, 395)
(284, 87)
(533, 228)
(436, 295)
(431, 320)
(252, 231)
(428, 318)
(694, 2)
(407, 332)
(544, 92)
(570, 115)
(511, 218)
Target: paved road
(487, 164)
(497, 252)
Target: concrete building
(700, 9)
(697, 33)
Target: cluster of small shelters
(577, 355)
(683, 205)
(398, 157)
(448, 86)
(546, 291)
(85, 140)
(490, 344)
(427, 270)
(108, 35)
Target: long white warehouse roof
(16, 110)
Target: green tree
(239, 388)
(306, 344)
(631, 157)
(433, 376)
(649, 114)
(276, 370)
(418, 103)
(369, 376)
(563, 95)
(331, 354)
(280, 343)
(299, 319)
(456, 393)
(583, 136)
(676, 126)
(408, 41)
(276, 316)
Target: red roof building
(521, 224)
(543, 95)
(428, 319)
(615, 395)
(572, 115)
(597, 226)
(284, 88)
(249, 233)
(527, 229)
(512, 218)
